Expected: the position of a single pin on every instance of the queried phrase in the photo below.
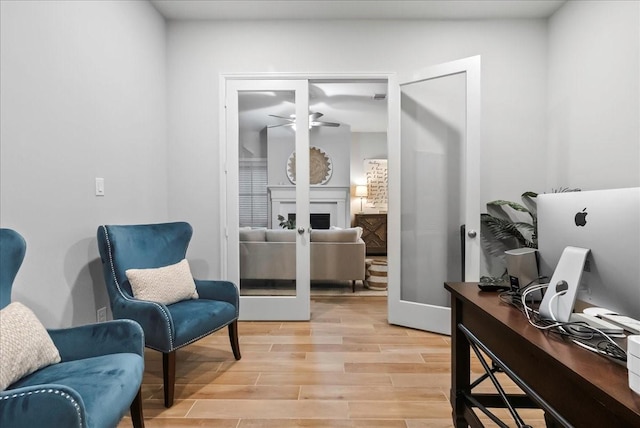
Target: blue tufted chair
(166, 327)
(97, 380)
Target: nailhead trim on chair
(115, 279)
(51, 391)
(203, 335)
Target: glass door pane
(434, 188)
(267, 200)
(265, 254)
(432, 209)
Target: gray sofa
(336, 254)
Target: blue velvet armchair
(166, 327)
(97, 380)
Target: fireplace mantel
(323, 199)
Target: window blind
(253, 192)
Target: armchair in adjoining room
(168, 326)
(80, 377)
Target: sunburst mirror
(320, 166)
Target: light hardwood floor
(347, 367)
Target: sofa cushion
(25, 345)
(280, 235)
(336, 235)
(103, 382)
(166, 285)
(253, 235)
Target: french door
(434, 189)
(434, 180)
(273, 276)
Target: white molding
(334, 198)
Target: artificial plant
(510, 232)
(287, 224)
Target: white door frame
(267, 307)
(412, 314)
(295, 307)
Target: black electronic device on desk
(494, 286)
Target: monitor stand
(557, 303)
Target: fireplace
(328, 201)
(318, 220)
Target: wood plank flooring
(347, 367)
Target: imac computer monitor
(607, 222)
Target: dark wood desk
(586, 389)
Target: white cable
(590, 348)
(559, 293)
(528, 291)
(559, 325)
(537, 283)
(526, 309)
(609, 339)
(533, 288)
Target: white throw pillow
(25, 345)
(166, 285)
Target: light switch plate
(99, 186)
(101, 314)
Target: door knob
(472, 234)
(300, 230)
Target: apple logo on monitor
(581, 218)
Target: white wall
(83, 96)
(514, 93)
(594, 95)
(364, 145)
(333, 141)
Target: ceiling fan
(313, 121)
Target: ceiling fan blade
(312, 120)
(331, 124)
(282, 117)
(282, 124)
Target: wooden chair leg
(169, 376)
(136, 411)
(233, 337)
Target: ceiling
(346, 102)
(355, 9)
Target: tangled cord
(575, 331)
